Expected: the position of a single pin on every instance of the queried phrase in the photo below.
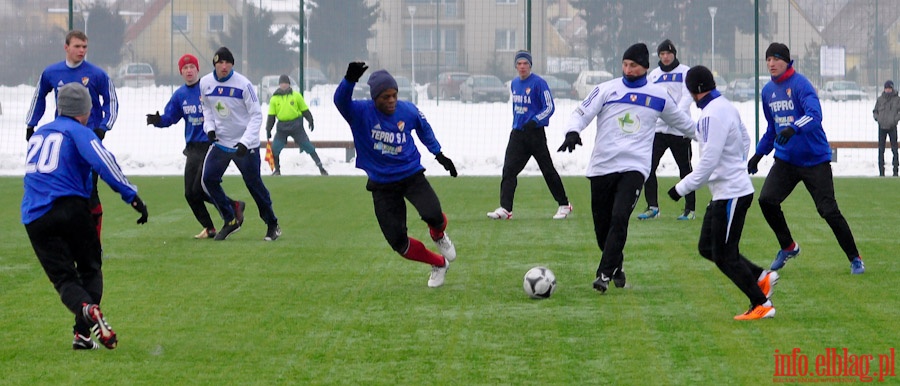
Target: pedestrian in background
(288, 106)
(385, 149)
(532, 109)
(62, 157)
(887, 113)
(802, 154)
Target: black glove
(530, 125)
(572, 139)
(785, 135)
(211, 135)
(241, 149)
(139, 206)
(355, 70)
(29, 132)
(446, 163)
(311, 126)
(674, 194)
(268, 134)
(154, 119)
(100, 133)
(753, 164)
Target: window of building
(507, 1)
(181, 23)
(505, 40)
(216, 23)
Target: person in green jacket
(288, 106)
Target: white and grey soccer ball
(539, 283)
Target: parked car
(448, 84)
(135, 75)
(405, 90)
(312, 77)
(587, 80)
(560, 88)
(842, 90)
(741, 90)
(269, 84)
(483, 88)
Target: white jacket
(626, 122)
(231, 109)
(673, 81)
(724, 145)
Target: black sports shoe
(602, 283)
(619, 278)
(81, 342)
(239, 212)
(273, 232)
(228, 229)
(322, 171)
(100, 328)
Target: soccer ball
(539, 283)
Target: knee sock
(438, 233)
(416, 251)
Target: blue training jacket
(532, 100)
(60, 157)
(103, 116)
(385, 148)
(185, 103)
(791, 100)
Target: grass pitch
(331, 303)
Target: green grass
(331, 303)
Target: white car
(587, 80)
(842, 90)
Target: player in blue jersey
(57, 215)
(232, 119)
(105, 107)
(802, 154)
(185, 103)
(532, 108)
(669, 74)
(385, 149)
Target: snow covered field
(473, 135)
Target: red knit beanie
(188, 58)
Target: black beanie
(889, 84)
(223, 54)
(699, 79)
(283, 79)
(639, 54)
(666, 45)
(780, 51)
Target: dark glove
(446, 163)
(154, 119)
(530, 125)
(100, 133)
(311, 126)
(572, 139)
(753, 164)
(211, 135)
(241, 149)
(785, 135)
(674, 194)
(29, 132)
(268, 134)
(139, 206)
(355, 70)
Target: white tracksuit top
(626, 123)
(724, 145)
(231, 109)
(673, 81)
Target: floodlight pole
(412, 42)
(712, 15)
